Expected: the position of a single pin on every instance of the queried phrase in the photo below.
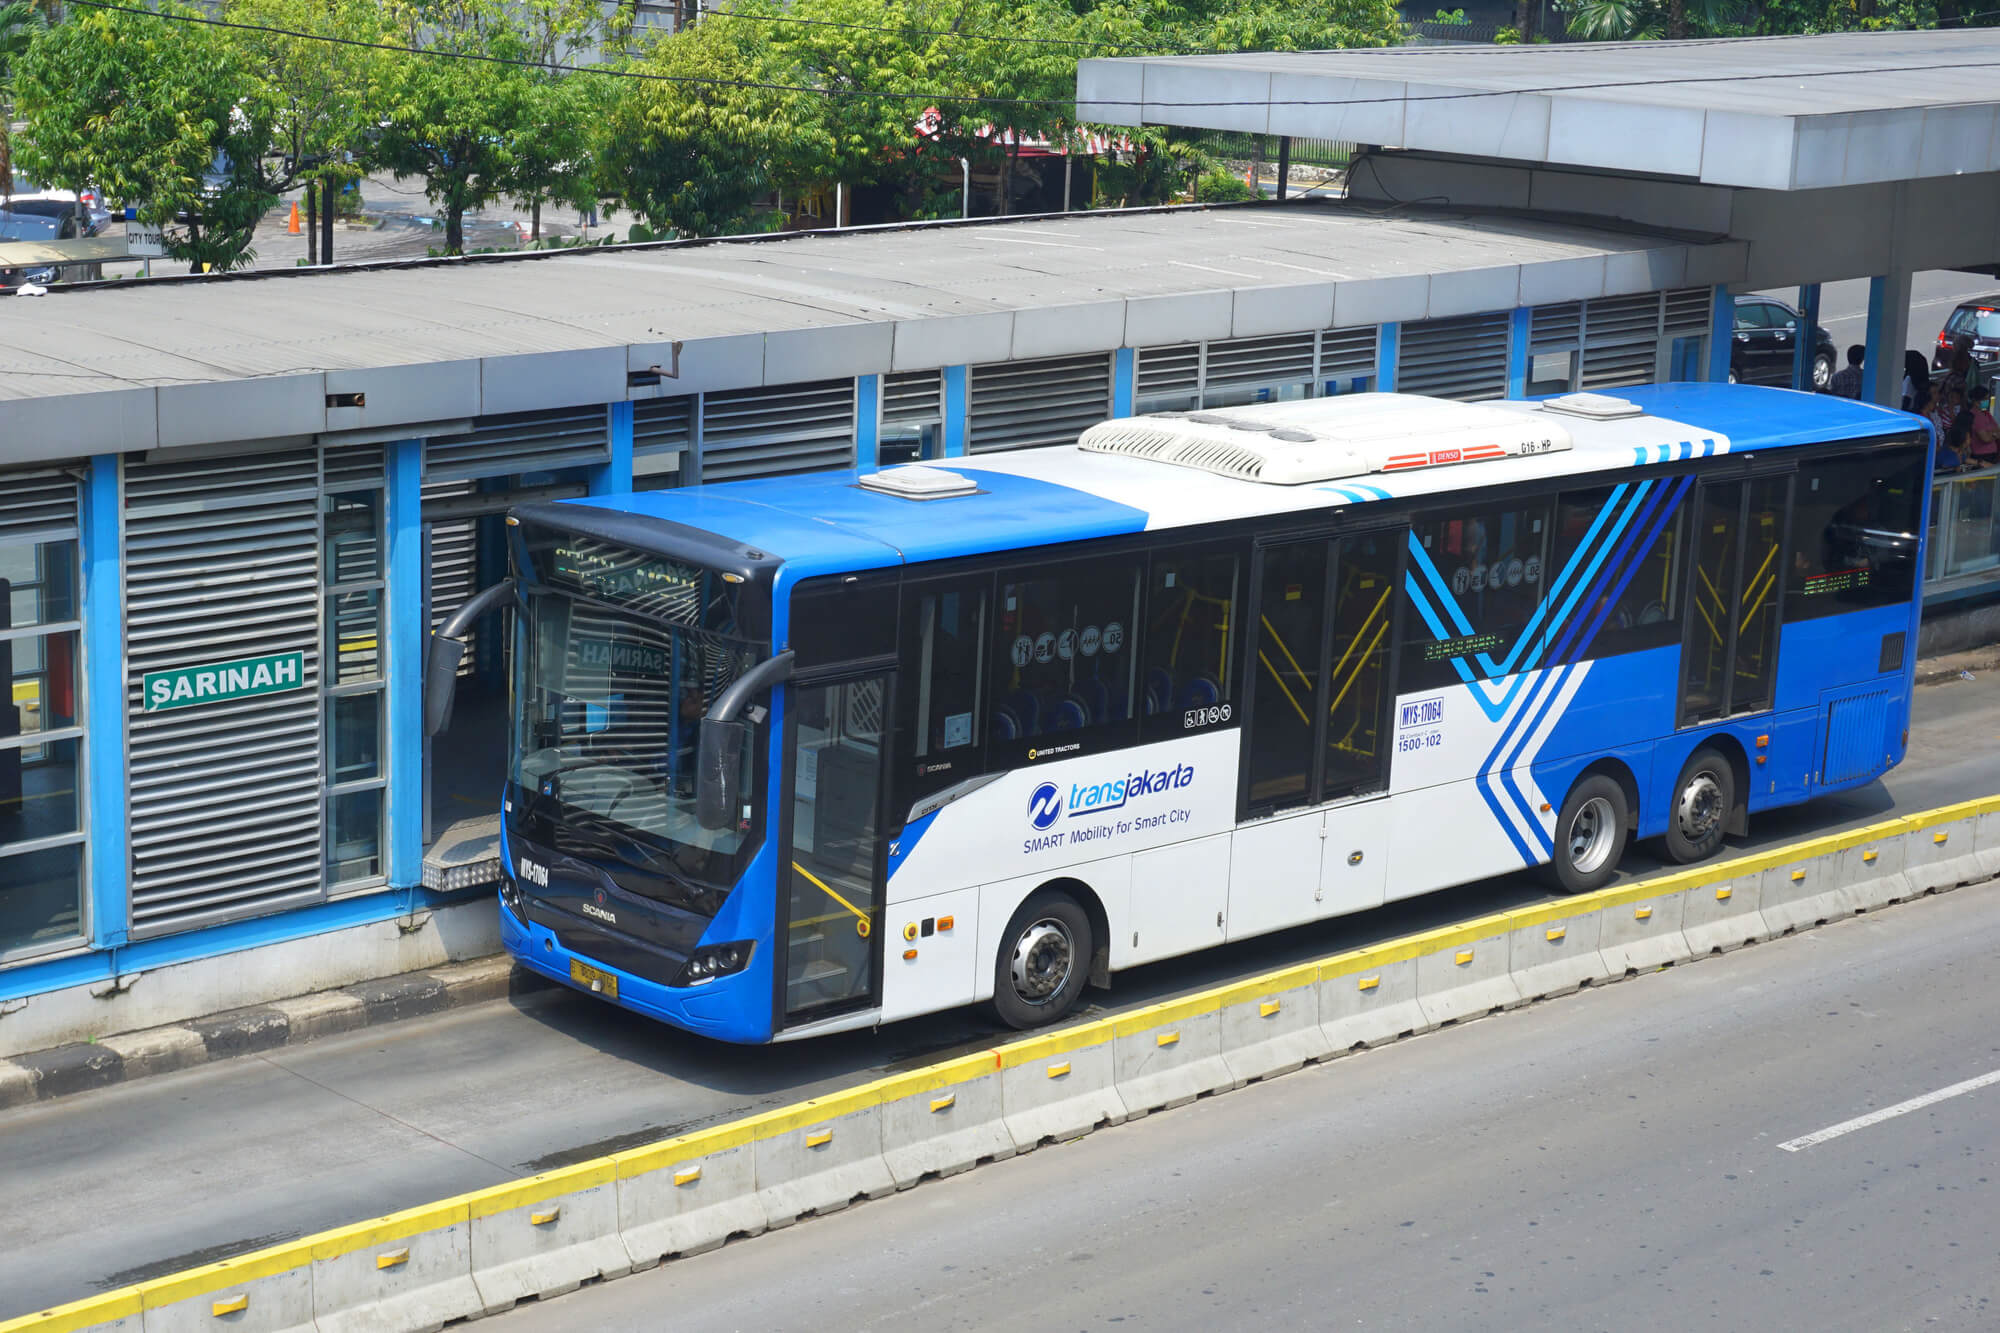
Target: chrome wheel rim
(1592, 831)
(1044, 956)
(1699, 810)
(1822, 373)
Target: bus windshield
(618, 654)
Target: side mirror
(441, 681)
(719, 766)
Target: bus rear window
(1854, 532)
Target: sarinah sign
(241, 679)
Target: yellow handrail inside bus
(1270, 629)
(1289, 696)
(822, 886)
(1355, 674)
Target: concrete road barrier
(943, 1120)
(1553, 951)
(270, 1291)
(483, 1251)
(1941, 850)
(1719, 913)
(1868, 870)
(1639, 929)
(410, 1271)
(687, 1195)
(1168, 1054)
(546, 1235)
(1270, 1025)
(819, 1156)
(1463, 971)
(1058, 1087)
(1369, 997)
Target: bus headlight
(510, 898)
(715, 960)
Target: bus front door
(834, 864)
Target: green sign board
(219, 681)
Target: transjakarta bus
(798, 755)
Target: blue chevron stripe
(1645, 542)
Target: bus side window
(1475, 581)
(1600, 606)
(1854, 532)
(1064, 654)
(1187, 663)
(945, 625)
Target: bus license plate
(594, 979)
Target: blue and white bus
(805, 754)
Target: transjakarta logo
(1045, 805)
(1114, 795)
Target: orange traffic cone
(293, 227)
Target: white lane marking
(1891, 1112)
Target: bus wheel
(1044, 961)
(1704, 794)
(1590, 835)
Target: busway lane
(158, 1175)
(1612, 1160)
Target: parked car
(1766, 334)
(24, 190)
(1981, 319)
(43, 220)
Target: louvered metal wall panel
(353, 467)
(662, 426)
(1689, 310)
(1348, 353)
(1555, 328)
(37, 504)
(1019, 404)
(1857, 737)
(1168, 370)
(222, 562)
(1619, 365)
(454, 558)
(521, 442)
(913, 396)
(1621, 340)
(1464, 358)
(1281, 359)
(774, 431)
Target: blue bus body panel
(1769, 418)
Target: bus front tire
(1044, 961)
(1704, 798)
(1590, 835)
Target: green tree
(163, 116)
(19, 23)
(456, 123)
(553, 145)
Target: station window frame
(371, 684)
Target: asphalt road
(1611, 1160)
(150, 1177)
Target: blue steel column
(105, 767)
(1388, 343)
(1124, 381)
(1721, 334)
(1888, 337)
(1805, 343)
(954, 411)
(867, 423)
(614, 477)
(1517, 352)
(405, 633)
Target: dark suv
(1981, 319)
(1766, 329)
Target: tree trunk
(1524, 20)
(1004, 205)
(454, 228)
(312, 223)
(535, 222)
(1256, 160)
(1677, 20)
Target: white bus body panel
(1179, 903)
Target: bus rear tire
(1044, 961)
(1590, 835)
(1704, 799)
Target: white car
(24, 188)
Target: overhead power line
(646, 76)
